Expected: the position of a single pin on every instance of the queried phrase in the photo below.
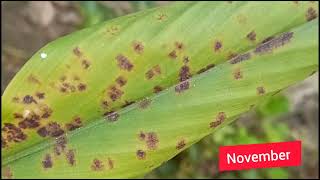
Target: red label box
(240, 157)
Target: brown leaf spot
(110, 163)
(182, 86)
(82, 87)
(60, 145)
(115, 93)
(217, 46)
(144, 103)
(32, 122)
(77, 52)
(311, 14)
(124, 63)
(260, 90)
(28, 99)
(33, 79)
(12, 133)
(173, 54)
(181, 144)
(105, 104)
(142, 136)
(47, 161)
(138, 47)
(111, 116)
(179, 45)
(155, 70)
(251, 36)
(85, 64)
(161, 17)
(152, 140)
(185, 59)
(70, 155)
(274, 43)
(46, 112)
(157, 89)
(121, 81)
(219, 119)
(40, 95)
(240, 58)
(74, 124)
(206, 68)
(184, 73)
(141, 154)
(52, 129)
(237, 74)
(43, 132)
(97, 165)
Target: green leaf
(156, 49)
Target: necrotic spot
(74, 124)
(97, 165)
(217, 46)
(184, 73)
(138, 47)
(219, 119)
(157, 89)
(239, 58)
(82, 87)
(28, 99)
(71, 157)
(115, 93)
(173, 54)
(121, 81)
(124, 63)
(274, 43)
(237, 74)
(141, 154)
(111, 116)
(77, 52)
(182, 86)
(144, 103)
(152, 140)
(178, 45)
(260, 90)
(110, 163)
(311, 14)
(181, 144)
(142, 136)
(47, 161)
(12, 133)
(85, 64)
(40, 95)
(251, 36)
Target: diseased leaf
(104, 101)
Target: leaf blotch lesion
(217, 46)
(220, 118)
(52, 129)
(240, 58)
(260, 90)
(111, 116)
(273, 43)
(251, 36)
(74, 124)
(311, 14)
(10, 133)
(145, 103)
(237, 74)
(124, 63)
(181, 144)
(121, 81)
(141, 155)
(47, 161)
(138, 47)
(154, 71)
(97, 165)
(70, 156)
(157, 89)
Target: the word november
(260, 155)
